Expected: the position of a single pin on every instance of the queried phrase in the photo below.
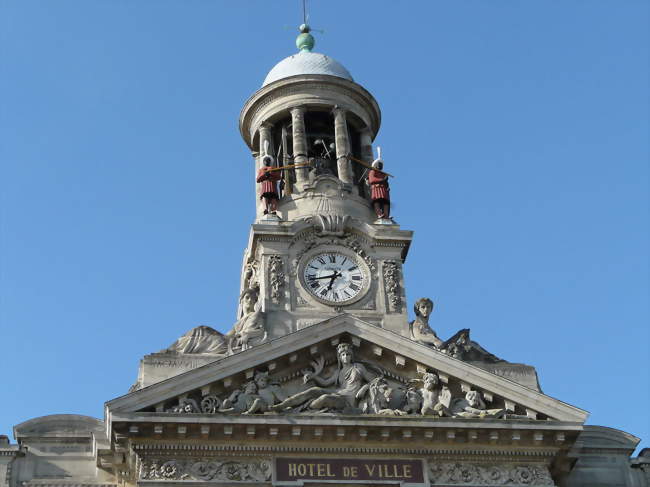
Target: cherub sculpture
(434, 399)
(472, 406)
(337, 392)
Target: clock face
(334, 277)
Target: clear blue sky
(518, 132)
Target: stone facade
(322, 380)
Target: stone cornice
(301, 88)
(207, 432)
(485, 454)
(340, 420)
(10, 452)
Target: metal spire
(305, 41)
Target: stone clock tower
(310, 113)
(322, 381)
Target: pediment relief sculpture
(255, 396)
(340, 382)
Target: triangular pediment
(400, 363)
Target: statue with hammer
(379, 189)
(269, 179)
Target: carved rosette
(276, 278)
(452, 473)
(206, 469)
(392, 285)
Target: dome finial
(305, 41)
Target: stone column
(299, 144)
(265, 134)
(366, 146)
(367, 156)
(342, 145)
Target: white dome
(306, 62)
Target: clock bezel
(365, 270)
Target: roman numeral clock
(335, 277)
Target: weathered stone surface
(603, 459)
(59, 449)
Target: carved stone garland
(276, 278)
(452, 473)
(392, 286)
(206, 469)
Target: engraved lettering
(350, 469)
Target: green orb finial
(305, 41)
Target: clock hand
(333, 278)
(325, 277)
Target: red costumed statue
(379, 190)
(269, 181)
